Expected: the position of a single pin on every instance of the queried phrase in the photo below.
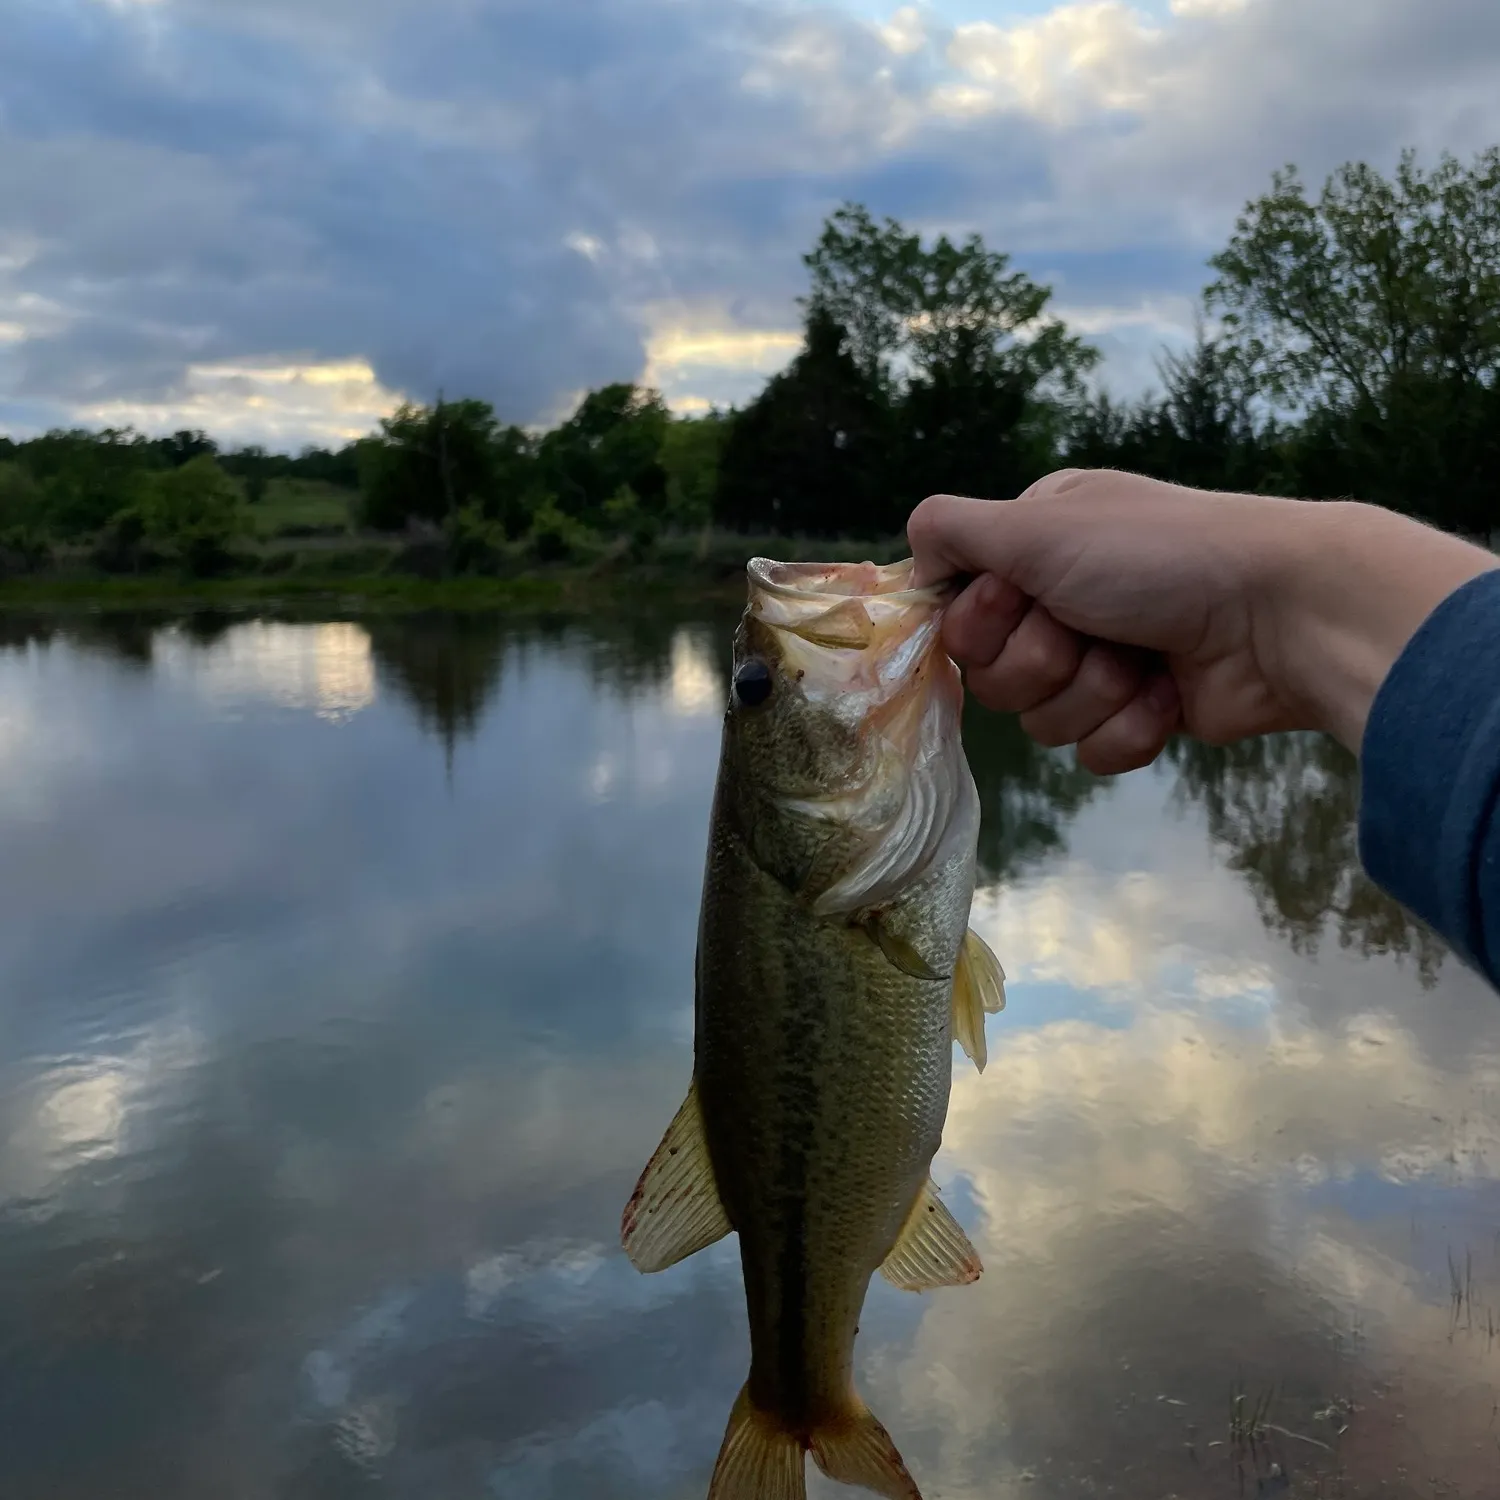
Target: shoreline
(712, 571)
(566, 589)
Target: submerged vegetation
(1354, 349)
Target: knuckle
(1130, 741)
(1055, 483)
(1045, 729)
(1109, 678)
(1048, 662)
(1001, 687)
(925, 520)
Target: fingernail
(1163, 696)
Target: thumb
(951, 535)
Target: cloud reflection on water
(319, 1102)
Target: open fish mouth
(846, 627)
(889, 582)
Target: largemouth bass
(834, 970)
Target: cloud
(520, 200)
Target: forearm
(1388, 637)
(1349, 587)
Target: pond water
(345, 988)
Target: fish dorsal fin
(978, 991)
(675, 1210)
(932, 1250)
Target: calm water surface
(345, 989)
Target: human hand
(1111, 611)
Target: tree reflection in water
(1285, 810)
(1029, 794)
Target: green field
(301, 507)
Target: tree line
(1349, 345)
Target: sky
(275, 218)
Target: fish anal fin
(758, 1459)
(932, 1249)
(857, 1450)
(675, 1210)
(978, 990)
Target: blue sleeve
(1430, 773)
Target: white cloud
(697, 357)
(274, 403)
(487, 199)
(906, 31)
(1071, 60)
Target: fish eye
(752, 683)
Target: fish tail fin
(856, 1449)
(759, 1458)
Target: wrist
(1349, 586)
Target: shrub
(23, 549)
(193, 511)
(473, 543)
(555, 537)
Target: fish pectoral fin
(675, 1210)
(758, 1459)
(856, 1449)
(932, 1250)
(978, 991)
(901, 952)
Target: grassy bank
(345, 569)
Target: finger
(1037, 662)
(1022, 542)
(982, 619)
(948, 533)
(1136, 735)
(1106, 680)
(939, 532)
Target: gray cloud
(191, 182)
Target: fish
(835, 967)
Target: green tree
(1375, 311)
(21, 500)
(612, 442)
(430, 463)
(691, 451)
(809, 453)
(1201, 430)
(192, 511)
(914, 311)
(184, 446)
(84, 477)
(981, 378)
